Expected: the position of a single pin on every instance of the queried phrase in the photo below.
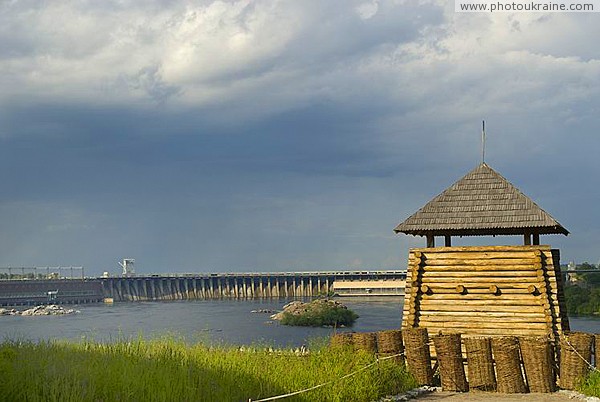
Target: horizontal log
(467, 312)
(479, 255)
(471, 299)
(482, 299)
(503, 284)
(490, 321)
(498, 325)
(474, 269)
(433, 329)
(477, 281)
(480, 290)
(492, 314)
(479, 262)
(480, 274)
(465, 308)
(541, 247)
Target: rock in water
(51, 309)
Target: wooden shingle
(481, 203)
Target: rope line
(274, 398)
(580, 356)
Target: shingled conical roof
(481, 203)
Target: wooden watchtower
(484, 290)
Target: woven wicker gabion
(342, 339)
(538, 362)
(366, 341)
(389, 343)
(480, 364)
(575, 354)
(449, 356)
(418, 357)
(508, 365)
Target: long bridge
(199, 286)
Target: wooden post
(527, 239)
(448, 241)
(536, 239)
(430, 241)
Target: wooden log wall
(514, 290)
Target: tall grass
(171, 370)
(591, 385)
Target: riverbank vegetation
(318, 313)
(582, 291)
(169, 369)
(591, 385)
(332, 317)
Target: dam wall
(238, 285)
(27, 291)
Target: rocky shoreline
(51, 309)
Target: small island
(317, 313)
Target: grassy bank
(167, 370)
(591, 385)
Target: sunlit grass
(171, 370)
(591, 385)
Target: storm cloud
(281, 135)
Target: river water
(212, 321)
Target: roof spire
(483, 142)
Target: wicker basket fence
(502, 372)
(389, 343)
(508, 365)
(480, 364)
(449, 356)
(366, 341)
(575, 353)
(538, 361)
(418, 357)
(342, 339)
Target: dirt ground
(562, 396)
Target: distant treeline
(582, 290)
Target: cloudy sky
(281, 135)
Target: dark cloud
(276, 136)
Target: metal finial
(483, 142)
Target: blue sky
(281, 135)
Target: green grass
(171, 370)
(327, 316)
(591, 385)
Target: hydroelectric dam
(200, 286)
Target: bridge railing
(262, 274)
